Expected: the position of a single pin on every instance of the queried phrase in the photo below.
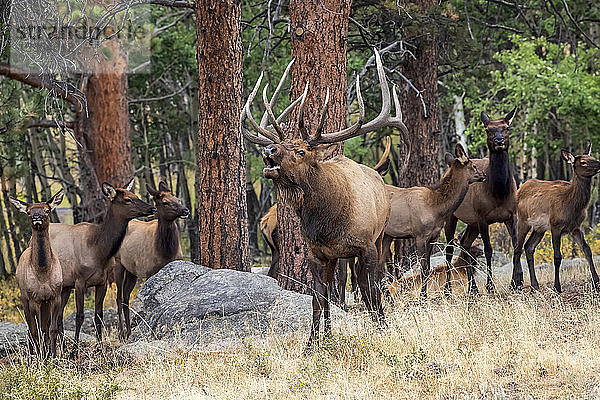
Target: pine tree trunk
(423, 126)
(319, 30)
(221, 174)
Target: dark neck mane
(499, 176)
(108, 235)
(450, 192)
(167, 239)
(580, 192)
(41, 251)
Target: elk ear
(151, 190)
(485, 119)
(131, 185)
(509, 117)
(325, 151)
(162, 187)
(109, 191)
(589, 149)
(19, 205)
(56, 199)
(449, 158)
(460, 153)
(567, 156)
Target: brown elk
(419, 212)
(85, 250)
(39, 276)
(487, 202)
(557, 206)
(146, 248)
(342, 205)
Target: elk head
(289, 161)
(461, 163)
(124, 203)
(39, 213)
(168, 206)
(498, 132)
(583, 165)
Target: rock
(141, 350)
(217, 309)
(13, 337)
(260, 270)
(110, 320)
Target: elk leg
(99, 310)
(484, 230)
(31, 324)
(516, 281)
(45, 326)
(128, 285)
(341, 276)
(465, 256)
(422, 252)
(369, 280)
(580, 239)
(511, 227)
(353, 276)
(79, 313)
(55, 309)
(387, 255)
(119, 272)
(534, 239)
(329, 271)
(319, 297)
(64, 299)
(449, 230)
(557, 259)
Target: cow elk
(487, 202)
(342, 205)
(419, 212)
(85, 251)
(39, 277)
(146, 248)
(557, 206)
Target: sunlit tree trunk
(221, 174)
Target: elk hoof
(557, 288)
(490, 288)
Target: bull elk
(486, 202)
(147, 247)
(39, 276)
(342, 205)
(419, 212)
(557, 206)
(85, 249)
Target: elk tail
(383, 165)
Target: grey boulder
(109, 320)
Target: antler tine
(263, 120)
(272, 118)
(319, 131)
(397, 120)
(292, 105)
(246, 113)
(256, 139)
(301, 125)
(351, 131)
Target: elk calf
(557, 206)
(419, 212)
(85, 251)
(39, 276)
(147, 247)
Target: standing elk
(342, 205)
(146, 248)
(39, 276)
(486, 202)
(557, 206)
(419, 212)
(85, 251)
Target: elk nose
(499, 141)
(270, 150)
(185, 211)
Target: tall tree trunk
(221, 174)
(106, 124)
(423, 125)
(319, 30)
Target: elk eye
(47, 211)
(128, 200)
(300, 152)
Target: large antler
(382, 120)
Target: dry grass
(509, 345)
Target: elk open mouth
(271, 169)
(37, 222)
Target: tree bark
(423, 125)
(319, 30)
(221, 173)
